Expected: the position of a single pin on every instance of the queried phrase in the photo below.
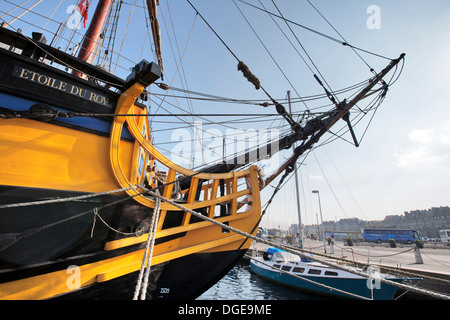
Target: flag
(83, 8)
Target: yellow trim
(56, 283)
(116, 244)
(125, 106)
(120, 271)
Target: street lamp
(321, 218)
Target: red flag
(83, 8)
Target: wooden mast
(151, 6)
(93, 33)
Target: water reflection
(241, 284)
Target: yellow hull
(44, 156)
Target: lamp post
(300, 240)
(321, 218)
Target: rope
(372, 256)
(35, 203)
(146, 260)
(360, 263)
(248, 74)
(294, 251)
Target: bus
(445, 236)
(343, 235)
(383, 235)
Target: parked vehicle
(384, 235)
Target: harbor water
(242, 284)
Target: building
(428, 222)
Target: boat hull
(356, 286)
(87, 235)
(185, 278)
(48, 245)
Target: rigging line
(218, 37)
(61, 62)
(73, 32)
(282, 183)
(23, 13)
(13, 9)
(237, 121)
(380, 101)
(60, 35)
(307, 54)
(36, 22)
(354, 50)
(289, 40)
(180, 56)
(124, 34)
(329, 185)
(178, 117)
(200, 116)
(290, 249)
(262, 102)
(212, 133)
(256, 115)
(180, 71)
(30, 232)
(268, 52)
(178, 66)
(148, 34)
(250, 77)
(54, 11)
(345, 184)
(112, 37)
(340, 136)
(218, 99)
(317, 32)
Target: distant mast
(93, 33)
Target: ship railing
(222, 196)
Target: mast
(92, 35)
(151, 6)
(300, 240)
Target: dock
(430, 263)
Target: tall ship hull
(90, 242)
(90, 208)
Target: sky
(403, 162)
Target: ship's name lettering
(60, 85)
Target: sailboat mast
(297, 192)
(93, 33)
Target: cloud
(426, 147)
(315, 177)
(421, 136)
